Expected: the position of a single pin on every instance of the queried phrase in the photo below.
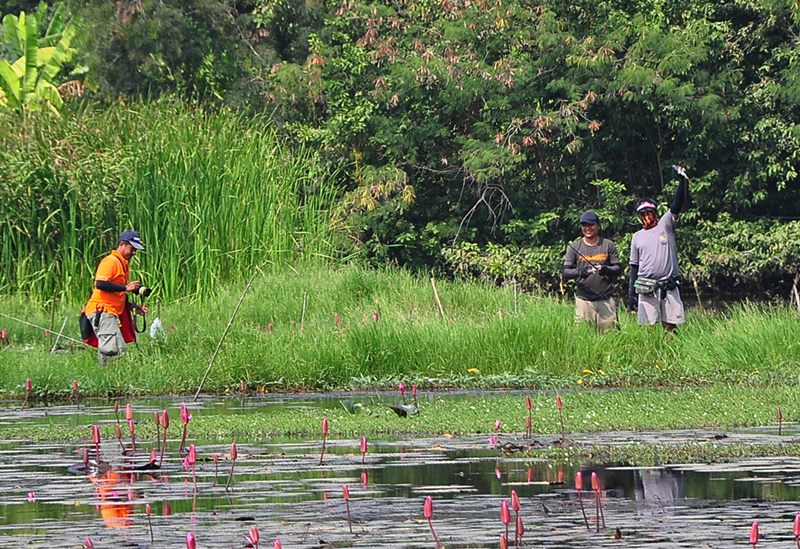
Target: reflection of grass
(713, 407)
(480, 344)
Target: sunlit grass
(482, 342)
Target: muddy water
(48, 498)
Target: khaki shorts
(602, 313)
(653, 309)
(109, 337)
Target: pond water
(49, 499)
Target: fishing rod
(44, 329)
(586, 259)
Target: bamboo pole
(63, 324)
(436, 297)
(224, 334)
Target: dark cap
(589, 217)
(132, 238)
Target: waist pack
(644, 285)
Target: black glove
(603, 270)
(586, 271)
(633, 301)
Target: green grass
(482, 342)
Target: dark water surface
(48, 498)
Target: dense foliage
(469, 134)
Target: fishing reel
(143, 291)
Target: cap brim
(137, 245)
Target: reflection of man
(593, 262)
(114, 490)
(108, 309)
(661, 485)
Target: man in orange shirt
(109, 305)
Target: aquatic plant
(579, 488)
(796, 530)
(28, 388)
(560, 407)
(754, 534)
(529, 419)
(277, 544)
(515, 507)
(505, 516)
(346, 496)
(88, 543)
(234, 455)
(157, 421)
(147, 511)
(132, 431)
(427, 512)
(401, 387)
(324, 438)
(191, 542)
(186, 417)
(118, 436)
(519, 529)
(598, 501)
(253, 536)
(363, 449)
(165, 428)
(189, 462)
(96, 442)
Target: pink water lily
(754, 533)
(234, 455)
(186, 417)
(253, 536)
(579, 488)
(346, 496)
(363, 449)
(191, 542)
(427, 512)
(88, 543)
(31, 497)
(277, 544)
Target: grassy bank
(487, 339)
(212, 194)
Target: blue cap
(132, 238)
(589, 217)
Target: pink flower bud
(269, 327)
(88, 543)
(277, 544)
(28, 385)
(254, 535)
(520, 528)
(579, 481)
(128, 412)
(186, 417)
(402, 388)
(376, 316)
(503, 542)
(754, 533)
(797, 526)
(131, 426)
(191, 458)
(147, 509)
(497, 425)
(337, 319)
(164, 420)
(364, 478)
(427, 509)
(559, 404)
(595, 482)
(215, 458)
(234, 451)
(363, 445)
(156, 418)
(514, 501)
(505, 516)
(95, 435)
(346, 492)
(528, 402)
(498, 473)
(153, 455)
(191, 543)
(325, 426)
(413, 389)
(530, 474)
(75, 386)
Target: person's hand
(587, 270)
(132, 286)
(633, 302)
(603, 270)
(140, 310)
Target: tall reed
(212, 194)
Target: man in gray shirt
(654, 278)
